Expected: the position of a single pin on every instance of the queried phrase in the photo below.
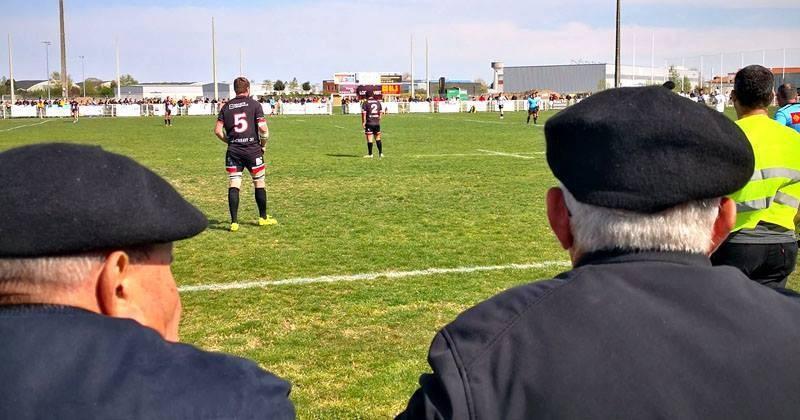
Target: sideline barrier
(202, 109)
(391, 107)
(91, 110)
(23, 111)
(128, 111)
(480, 106)
(448, 107)
(57, 111)
(415, 107)
(310, 108)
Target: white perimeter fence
(147, 110)
(311, 108)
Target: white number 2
(374, 108)
(240, 122)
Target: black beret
(61, 199)
(645, 150)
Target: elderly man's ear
(113, 294)
(558, 216)
(726, 219)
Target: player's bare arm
(219, 131)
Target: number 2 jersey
(241, 116)
(372, 108)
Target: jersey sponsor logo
(236, 105)
(795, 117)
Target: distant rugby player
(501, 101)
(242, 126)
(168, 112)
(371, 112)
(73, 107)
(533, 108)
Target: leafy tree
(686, 86)
(279, 85)
(54, 76)
(294, 85)
(482, 87)
(106, 91)
(127, 80)
(306, 86)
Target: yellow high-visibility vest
(773, 193)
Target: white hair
(687, 227)
(63, 271)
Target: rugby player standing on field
(371, 112)
(168, 112)
(242, 126)
(73, 104)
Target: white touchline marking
(483, 122)
(507, 154)
(453, 154)
(339, 127)
(26, 125)
(255, 284)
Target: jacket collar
(622, 256)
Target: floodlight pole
(427, 74)
(214, 59)
(617, 66)
(119, 88)
(412, 67)
(64, 79)
(47, 65)
(83, 75)
(11, 69)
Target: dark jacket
(65, 363)
(622, 336)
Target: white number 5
(240, 122)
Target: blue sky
(312, 39)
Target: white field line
(452, 155)
(23, 126)
(483, 122)
(258, 284)
(339, 127)
(492, 152)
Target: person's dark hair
(787, 92)
(753, 86)
(241, 85)
(669, 84)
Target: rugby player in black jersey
(371, 111)
(242, 126)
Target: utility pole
(11, 69)
(83, 75)
(617, 69)
(214, 59)
(64, 79)
(427, 74)
(412, 67)
(119, 88)
(47, 65)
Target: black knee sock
(261, 202)
(369, 147)
(170, 121)
(165, 122)
(233, 204)
(529, 119)
(380, 146)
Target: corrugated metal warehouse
(558, 78)
(584, 78)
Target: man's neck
(753, 113)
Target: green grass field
(453, 191)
